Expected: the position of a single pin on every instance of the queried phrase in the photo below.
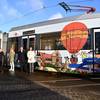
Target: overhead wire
(37, 10)
(80, 1)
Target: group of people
(22, 57)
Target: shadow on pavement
(13, 87)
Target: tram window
(47, 41)
(47, 44)
(14, 42)
(51, 42)
(59, 45)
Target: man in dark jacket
(22, 58)
(1, 59)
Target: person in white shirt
(31, 59)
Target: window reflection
(51, 42)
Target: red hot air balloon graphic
(74, 36)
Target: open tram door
(28, 41)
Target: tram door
(32, 41)
(25, 42)
(97, 42)
(28, 41)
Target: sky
(21, 12)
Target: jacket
(31, 56)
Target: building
(3, 41)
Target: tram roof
(55, 21)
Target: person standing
(1, 59)
(22, 58)
(11, 58)
(31, 59)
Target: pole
(37, 43)
(92, 45)
(6, 54)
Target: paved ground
(76, 89)
(14, 87)
(71, 87)
(44, 86)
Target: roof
(55, 21)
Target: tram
(62, 45)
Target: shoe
(2, 72)
(10, 69)
(13, 70)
